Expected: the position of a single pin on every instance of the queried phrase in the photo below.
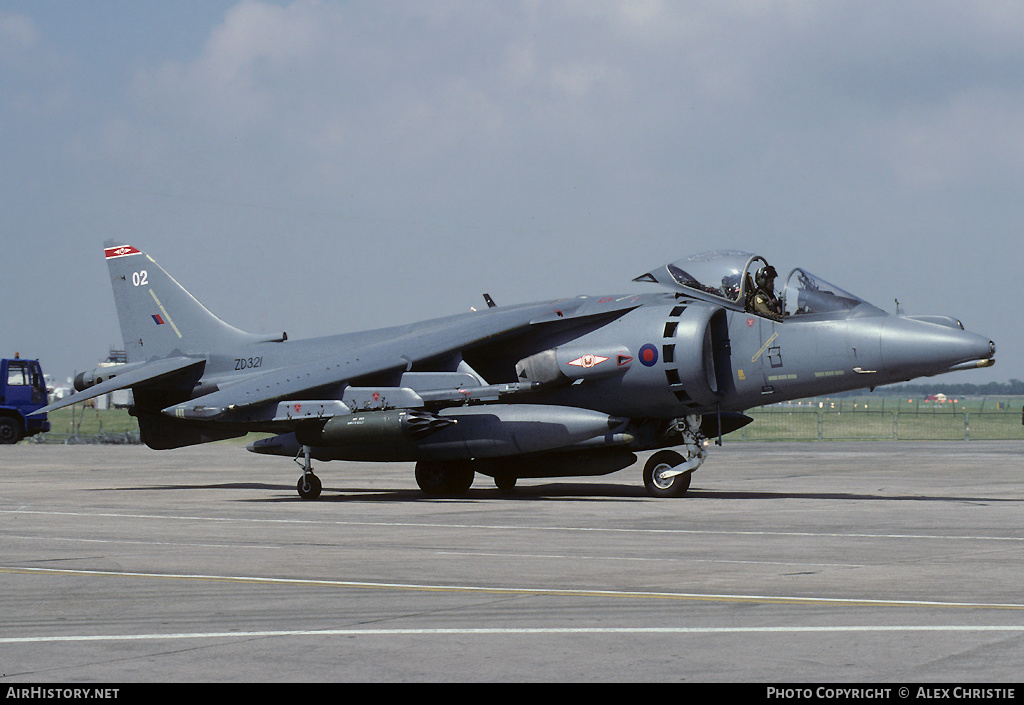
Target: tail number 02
(140, 278)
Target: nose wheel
(667, 473)
(663, 476)
(309, 485)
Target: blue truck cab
(22, 391)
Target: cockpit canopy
(728, 276)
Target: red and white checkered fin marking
(120, 251)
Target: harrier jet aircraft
(570, 387)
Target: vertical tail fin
(158, 316)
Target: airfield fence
(843, 419)
(74, 426)
(786, 423)
(105, 438)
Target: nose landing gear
(661, 476)
(668, 473)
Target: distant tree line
(1014, 387)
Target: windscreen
(716, 273)
(807, 294)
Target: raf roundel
(648, 355)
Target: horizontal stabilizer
(146, 374)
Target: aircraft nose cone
(912, 347)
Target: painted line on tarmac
(525, 591)
(469, 554)
(140, 542)
(501, 631)
(641, 559)
(511, 527)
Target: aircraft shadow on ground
(548, 491)
(563, 492)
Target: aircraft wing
(326, 378)
(295, 381)
(152, 371)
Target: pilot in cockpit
(762, 298)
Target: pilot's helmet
(765, 277)
(731, 284)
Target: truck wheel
(10, 430)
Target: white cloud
(32, 71)
(18, 35)
(372, 87)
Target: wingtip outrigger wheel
(309, 485)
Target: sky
(320, 167)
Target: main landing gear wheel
(505, 481)
(444, 478)
(659, 477)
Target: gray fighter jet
(571, 387)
